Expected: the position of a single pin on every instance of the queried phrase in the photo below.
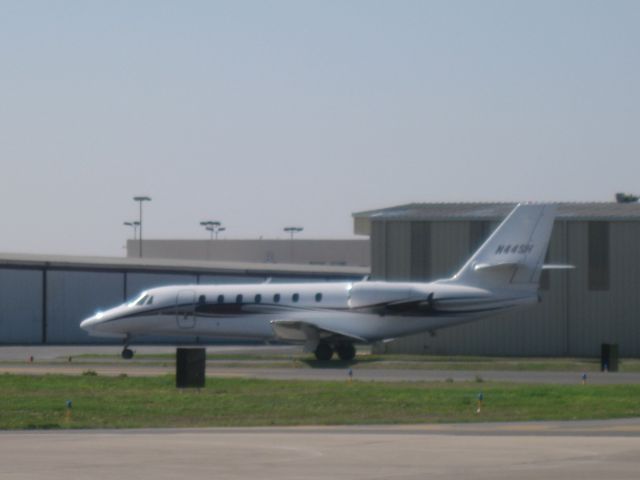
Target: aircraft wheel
(324, 351)
(127, 354)
(346, 351)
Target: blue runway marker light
(480, 399)
(350, 373)
(584, 378)
(67, 413)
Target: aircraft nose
(86, 323)
(89, 323)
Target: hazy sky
(267, 113)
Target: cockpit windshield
(140, 300)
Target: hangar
(44, 298)
(598, 302)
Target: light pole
(214, 227)
(292, 231)
(216, 230)
(135, 226)
(140, 200)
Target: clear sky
(263, 114)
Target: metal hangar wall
(44, 298)
(598, 302)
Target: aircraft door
(185, 314)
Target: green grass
(38, 402)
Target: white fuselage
(366, 311)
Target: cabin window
(258, 298)
(295, 297)
(239, 298)
(220, 298)
(201, 299)
(318, 297)
(276, 298)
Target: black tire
(346, 351)
(324, 352)
(127, 354)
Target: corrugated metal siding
(536, 331)
(398, 250)
(420, 258)
(74, 296)
(625, 285)
(378, 251)
(20, 306)
(587, 327)
(449, 247)
(618, 313)
(479, 231)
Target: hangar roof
(12, 260)
(607, 211)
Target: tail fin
(514, 254)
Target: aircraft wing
(309, 333)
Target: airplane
(331, 317)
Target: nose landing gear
(127, 353)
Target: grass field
(38, 402)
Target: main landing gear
(345, 350)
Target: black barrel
(609, 357)
(190, 367)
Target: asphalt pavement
(531, 451)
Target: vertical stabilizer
(514, 254)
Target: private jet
(327, 318)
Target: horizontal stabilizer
(558, 267)
(496, 266)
